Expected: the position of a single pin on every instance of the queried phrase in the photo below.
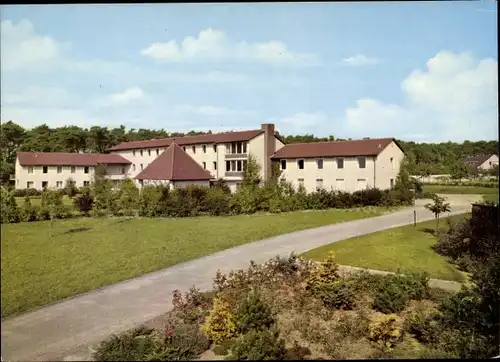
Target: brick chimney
(269, 148)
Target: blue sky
(423, 71)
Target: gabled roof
(365, 147)
(68, 159)
(479, 159)
(174, 164)
(190, 140)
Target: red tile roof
(68, 159)
(368, 147)
(175, 165)
(190, 140)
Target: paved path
(64, 331)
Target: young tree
(251, 174)
(458, 171)
(128, 197)
(437, 208)
(70, 188)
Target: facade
(198, 160)
(482, 162)
(40, 170)
(341, 165)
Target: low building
(341, 165)
(198, 160)
(39, 170)
(482, 162)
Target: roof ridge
(336, 141)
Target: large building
(341, 165)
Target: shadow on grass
(124, 220)
(429, 231)
(76, 230)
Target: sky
(420, 71)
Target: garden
(298, 309)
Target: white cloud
(21, 48)
(214, 45)
(359, 60)
(455, 98)
(129, 95)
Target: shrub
(217, 202)
(70, 188)
(26, 192)
(220, 324)
(43, 213)
(390, 298)
(259, 345)
(27, 211)
(52, 200)
(385, 331)
(338, 294)
(192, 307)
(9, 211)
(130, 346)
(297, 352)
(324, 273)
(224, 348)
(254, 314)
(424, 327)
(84, 202)
(128, 197)
(150, 201)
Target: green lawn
(37, 200)
(491, 197)
(443, 189)
(41, 265)
(406, 247)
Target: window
(133, 167)
(283, 164)
(392, 159)
(59, 169)
(30, 169)
(319, 184)
(194, 149)
(142, 167)
(86, 183)
(215, 148)
(244, 147)
(86, 169)
(319, 162)
(301, 181)
(392, 183)
(362, 162)
(238, 147)
(204, 165)
(238, 166)
(228, 166)
(204, 148)
(29, 184)
(340, 163)
(133, 152)
(123, 170)
(45, 169)
(59, 184)
(300, 164)
(184, 148)
(149, 151)
(73, 169)
(141, 152)
(157, 151)
(215, 165)
(45, 184)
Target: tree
(458, 171)
(437, 208)
(128, 198)
(251, 174)
(70, 188)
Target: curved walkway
(63, 331)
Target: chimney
(269, 148)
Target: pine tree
(254, 314)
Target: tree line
(437, 158)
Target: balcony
(234, 156)
(234, 174)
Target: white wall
(489, 163)
(387, 166)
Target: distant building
(482, 162)
(198, 160)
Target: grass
(445, 189)
(405, 248)
(41, 264)
(491, 197)
(37, 200)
